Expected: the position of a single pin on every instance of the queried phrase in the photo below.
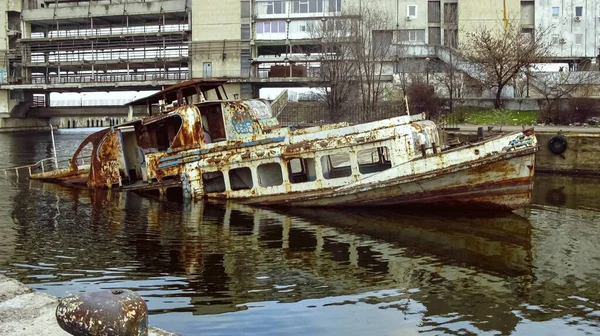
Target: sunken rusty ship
(221, 148)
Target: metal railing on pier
(44, 165)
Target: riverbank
(537, 128)
(24, 311)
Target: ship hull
(502, 183)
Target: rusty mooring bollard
(105, 313)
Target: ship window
(302, 170)
(373, 160)
(336, 165)
(240, 178)
(213, 182)
(269, 174)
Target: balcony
(106, 13)
(296, 9)
(111, 77)
(280, 30)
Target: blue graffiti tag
(243, 127)
(241, 121)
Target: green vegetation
(497, 117)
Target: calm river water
(209, 269)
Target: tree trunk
(498, 101)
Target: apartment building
(61, 45)
(283, 35)
(10, 26)
(284, 40)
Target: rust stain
(105, 169)
(298, 146)
(501, 166)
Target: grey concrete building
(574, 28)
(105, 45)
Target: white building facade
(574, 28)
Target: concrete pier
(581, 156)
(24, 311)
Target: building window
(333, 24)
(270, 27)
(555, 39)
(315, 6)
(411, 11)
(578, 39)
(412, 36)
(335, 5)
(275, 7)
(245, 9)
(555, 11)
(382, 40)
(301, 6)
(450, 13)
(578, 11)
(245, 31)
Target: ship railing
(45, 165)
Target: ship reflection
(500, 243)
(227, 255)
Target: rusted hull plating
(67, 175)
(501, 183)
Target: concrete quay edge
(24, 311)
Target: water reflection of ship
(498, 243)
(230, 255)
(226, 249)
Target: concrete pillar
(4, 101)
(4, 94)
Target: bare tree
(372, 49)
(402, 66)
(451, 78)
(338, 68)
(354, 49)
(498, 55)
(554, 86)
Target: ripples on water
(233, 269)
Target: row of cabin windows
(300, 170)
